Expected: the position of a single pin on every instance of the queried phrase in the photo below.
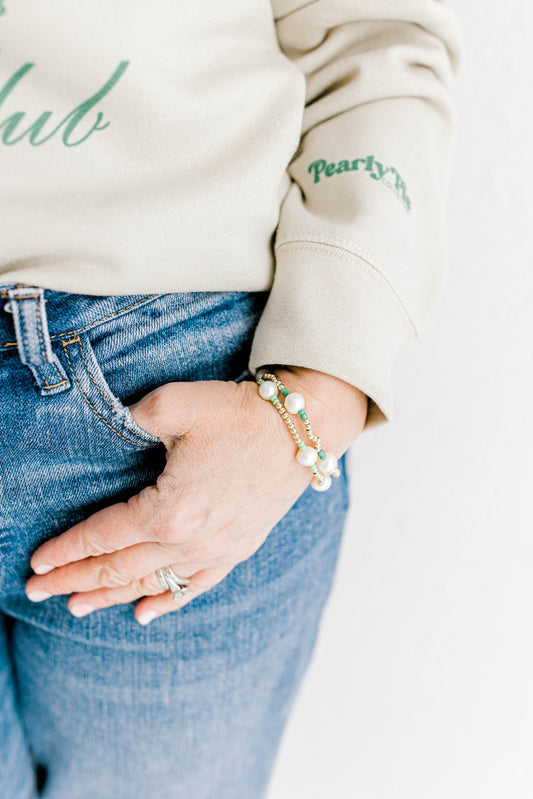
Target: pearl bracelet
(322, 464)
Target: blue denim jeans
(101, 707)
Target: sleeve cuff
(332, 311)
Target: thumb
(167, 411)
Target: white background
(421, 685)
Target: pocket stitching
(65, 350)
(82, 352)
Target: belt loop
(33, 339)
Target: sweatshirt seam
(315, 238)
(371, 268)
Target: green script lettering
(71, 121)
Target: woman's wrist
(337, 409)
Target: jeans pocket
(94, 393)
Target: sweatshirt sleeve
(360, 247)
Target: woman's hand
(230, 476)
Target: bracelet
(322, 464)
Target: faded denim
(101, 707)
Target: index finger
(107, 530)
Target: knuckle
(142, 508)
(149, 513)
(169, 485)
(194, 551)
(201, 517)
(90, 541)
(166, 532)
(155, 510)
(148, 586)
(170, 529)
(109, 576)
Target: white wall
(421, 686)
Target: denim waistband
(67, 312)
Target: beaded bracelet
(322, 464)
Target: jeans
(101, 707)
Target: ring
(169, 581)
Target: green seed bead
(285, 391)
(303, 416)
(301, 444)
(321, 454)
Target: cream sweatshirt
(296, 146)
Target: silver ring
(169, 581)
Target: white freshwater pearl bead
(328, 465)
(268, 389)
(294, 402)
(321, 486)
(306, 456)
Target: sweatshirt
(300, 147)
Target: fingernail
(38, 596)
(44, 569)
(146, 618)
(81, 610)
